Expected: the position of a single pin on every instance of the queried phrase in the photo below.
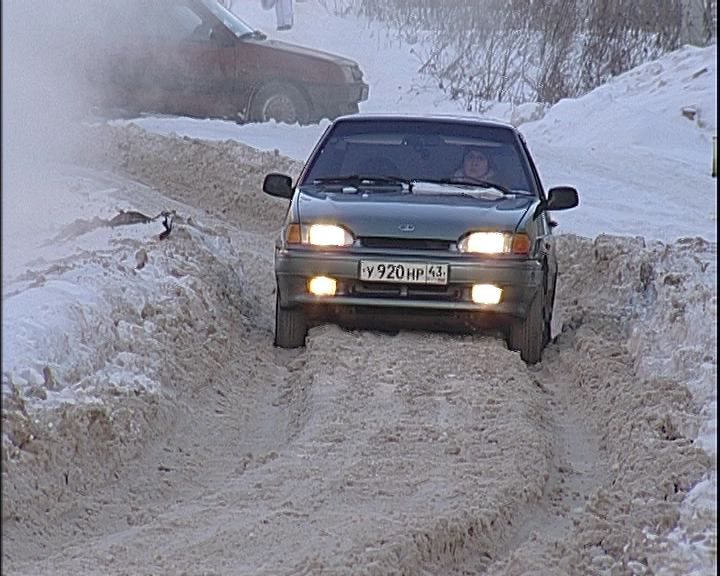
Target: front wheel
(290, 325)
(528, 336)
(280, 102)
(549, 301)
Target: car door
(543, 223)
(190, 66)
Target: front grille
(413, 291)
(405, 243)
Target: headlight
(351, 74)
(495, 243)
(485, 243)
(318, 235)
(329, 235)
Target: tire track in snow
(414, 454)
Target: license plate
(403, 272)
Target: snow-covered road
(191, 446)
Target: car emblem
(406, 227)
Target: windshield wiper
(360, 180)
(255, 34)
(468, 183)
(364, 180)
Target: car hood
(299, 50)
(420, 216)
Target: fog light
(486, 294)
(322, 286)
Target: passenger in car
(475, 166)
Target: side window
(534, 175)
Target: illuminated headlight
(485, 243)
(318, 235)
(486, 294)
(495, 243)
(322, 286)
(329, 235)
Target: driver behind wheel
(475, 166)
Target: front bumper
(335, 100)
(520, 279)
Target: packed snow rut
(365, 452)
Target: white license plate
(403, 272)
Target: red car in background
(196, 58)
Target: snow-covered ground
(79, 294)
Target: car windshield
(447, 154)
(237, 26)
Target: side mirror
(559, 198)
(279, 185)
(562, 198)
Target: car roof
(435, 117)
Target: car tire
(290, 325)
(280, 102)
(548, 312)
(547, 329)
(527, 336)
